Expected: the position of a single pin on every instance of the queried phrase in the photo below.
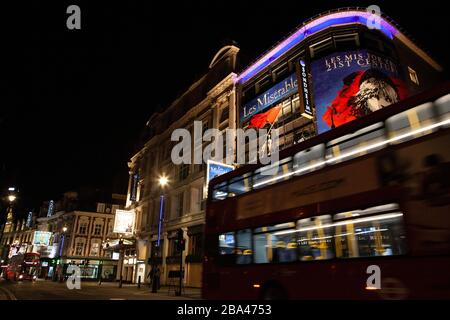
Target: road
(49, 290)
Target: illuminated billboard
(41, 238)
(349, 85)
(278, 92)
(124, 221)
(215, 169)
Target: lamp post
(163, 181)
(61, 250)
(121, 260)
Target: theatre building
(161, 211)
(334, 68)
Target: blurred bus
(23, 267)
(373, 192)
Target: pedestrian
(150, 275)
(158, 277)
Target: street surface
(49, 290)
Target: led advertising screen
(349, 85)
(124, 221)
(41, 238)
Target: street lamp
(163, 181)
(12, 198)
(61, 250)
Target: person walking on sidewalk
(151, 275)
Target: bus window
(220, 191)
(244, 246)
(411, 123)
(309, 160)
(239, 185)
(372, 232)
(273, 173)
(443, 109)
(315, 239)
(226, 243)
(275, 244)
(366, 140)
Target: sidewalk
(188, 292)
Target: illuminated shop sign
(124, 221)
(51, 208)
(278, 92)
(349, 85)
(41, 238)
(305, 106)
(134, 186)
(215, 169)
(29, 219)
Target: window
(79, 248)
(411, 123)
(100, 207)
(179, 201)
(275, 243)
(357, 144)
(309, 160)
(322, 48)
(95, 248)
(263, 84)
(346, 42)
(244, 246)
(83, 228)
(443, 109)
(183, 172)
(196, 244)
(280, 72)
(413, 75)
(226, 243)
(315, 239)
(376, 231)
(224, 115)
(98, 229)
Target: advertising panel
(215, 169)
(124, 221)
(281, 90)
(41, 238)
(349, 85)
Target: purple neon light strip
(160, 219)
(311, 28)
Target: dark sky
(75, 101)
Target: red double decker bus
(23, 267)
(359, 212)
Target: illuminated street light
(64, 229)
(163, 180)
(11, 198)
(11, 189)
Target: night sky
(75, 101)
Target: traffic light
(180, 240)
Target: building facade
(17, 236)
(78, 237)
(334, 68)
(210, 100)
